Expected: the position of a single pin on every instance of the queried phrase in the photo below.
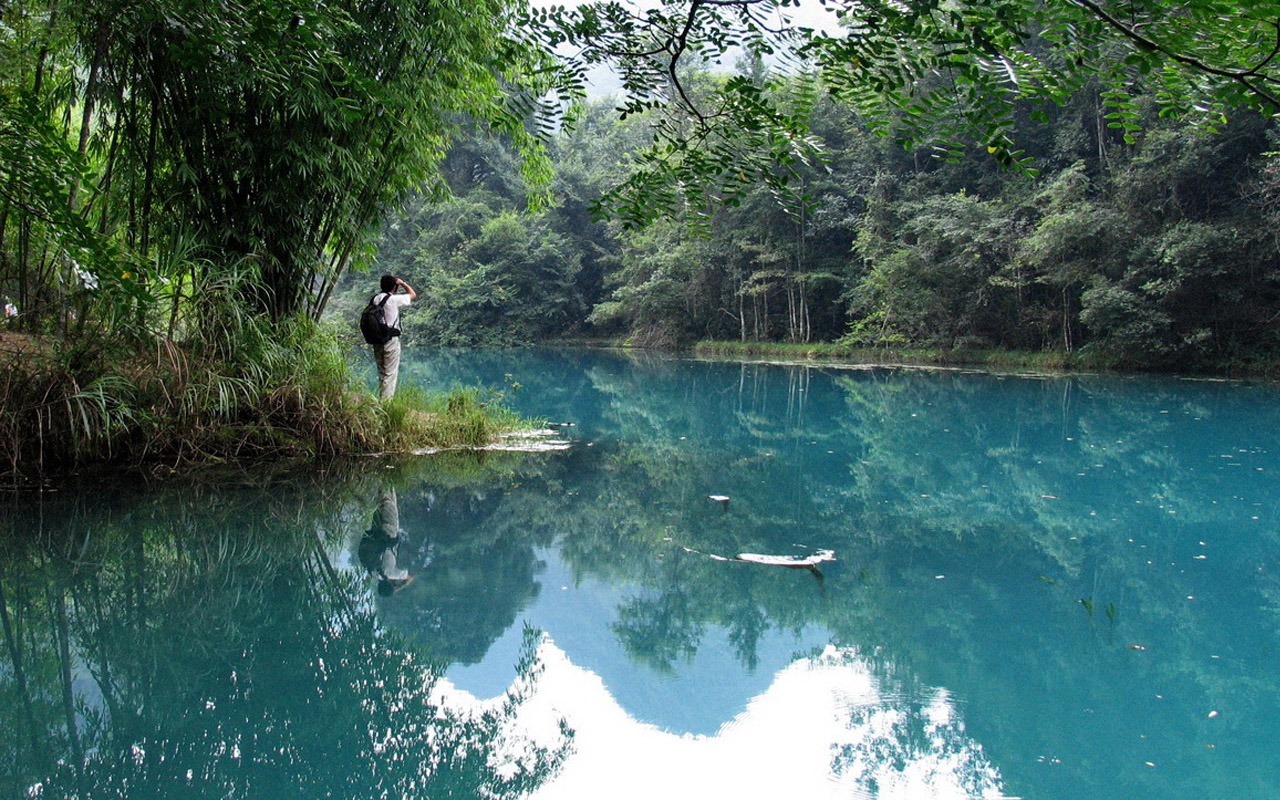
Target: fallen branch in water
(810, 562)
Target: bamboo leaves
(272, 130)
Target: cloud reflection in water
(825, 727)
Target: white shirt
(391, 311)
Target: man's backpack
(373, 322)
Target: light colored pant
(388, 358)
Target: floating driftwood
(807, 562)
(810, 562)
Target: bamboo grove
(149, 144)
(181, 184)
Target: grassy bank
(915, 356)
(266, 393)
(1087, 361)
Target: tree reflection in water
(202, 644)
(474, 568)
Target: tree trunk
(148, 183)
(1066, 319)
(791, 312)
(805, 330)
(37, 85)
(90, 100)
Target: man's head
(388, 283)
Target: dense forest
(1151, 249)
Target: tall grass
(236, 387)
(461, 418)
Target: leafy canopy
(929, 73)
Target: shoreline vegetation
(1047, 361)
(163, 409)
(909, 356)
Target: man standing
(388, 355)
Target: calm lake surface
(1043, 587)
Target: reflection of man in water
(379, 544)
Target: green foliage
(462, 418)
(939, 77)
(182, 184)
(935, 287)
(1150, 255)
(512, 282)
(251, 390)
(656, 288)
(275, 132)
(487, 273)
(714, 138)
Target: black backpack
(373, 322)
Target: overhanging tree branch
(1245, 77)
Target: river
(1015, 586)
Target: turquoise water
(1044, 587)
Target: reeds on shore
(250, 390)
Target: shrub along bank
(259, 391)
